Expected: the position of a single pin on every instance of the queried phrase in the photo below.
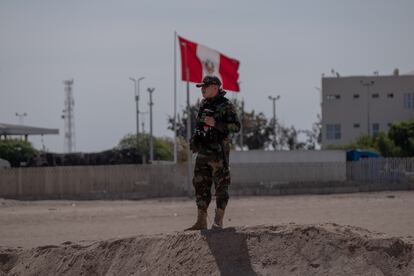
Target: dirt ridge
(289, 249)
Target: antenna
(68, 115)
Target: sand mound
(292, 249)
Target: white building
(357, 105)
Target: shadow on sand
(229, 248)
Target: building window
(356, 125)
(375, 95)
(333, 131)
(333, 97)
(409, 100)
(356, 96)
(375, 128)
(390, 95)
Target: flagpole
(175, 98)
(241, 125)
(189, 156)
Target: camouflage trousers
(211, 169)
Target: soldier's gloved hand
(209, 121)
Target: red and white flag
(202, 61)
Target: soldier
(215, 120)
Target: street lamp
(368, 85)
(21, 117)
(150, 91)
(136, 93)
(274, 99)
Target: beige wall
(347, 111)
(284, 156)
(147, 181)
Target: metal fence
(381, 170)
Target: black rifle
(225, 160)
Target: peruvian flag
(202, 61)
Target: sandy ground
(287, 249)
(30, 224)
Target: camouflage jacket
(206, 139)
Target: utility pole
(274, 99)
(69, 117)
(150, 91)
(368, 85)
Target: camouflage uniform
(212, 147)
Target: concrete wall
(295, 156)
(93, 182)
(150, 181)
(146, 181)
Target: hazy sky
(283, 47)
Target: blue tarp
(356, 154)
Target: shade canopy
(7, 129)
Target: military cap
(209, 80)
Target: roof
(7, 129)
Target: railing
(380, 170)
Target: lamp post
(137, 98)
(368, 85)
(21, 117)
(136, 93)
(150, 91)
(274, 99)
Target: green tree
(17, 152)
(402, 134)
(182, 120)
(398, 143)
(289, 138)
(379, 143)
(256, 129)
(314, 136)
(386, 146)
(140, 147)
